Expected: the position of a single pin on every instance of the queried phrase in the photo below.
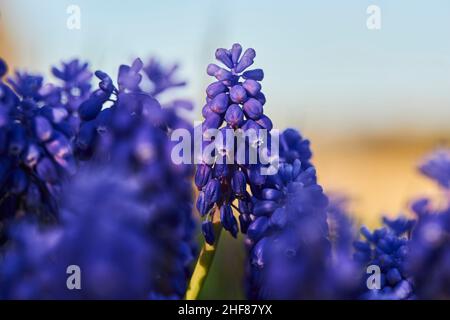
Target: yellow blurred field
(379, 173)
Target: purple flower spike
(387, 248)
(109, 230)
(288, 239)
(37, 125)
(236, 98)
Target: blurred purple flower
(387, 248)
(429, 248)
(133, 134)
(161, 78)
(107, 231)
(287, 240)
(437, 167)
(35, 150)
(429, 252)
(125, 103)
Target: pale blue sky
(324, 68)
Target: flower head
(429, 252)
(388, 249)
(293, 146)
(35, 150)
(437, 167)
(76, 87)
(429, 248)
(287, 240)
(162, 78)
(132, 134)
(234, 105)
(111, 108)
(108, 231)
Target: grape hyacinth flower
(342, 231)
(107, 231)
(293, 146)
(126, 101)
(437, 167)
(74, 90)
(162, 78)
(233, 103)
(288, 241)
(343, 276)
(429, 258)
(35, 149)
(144, 152)
(387, 248)
(133, 134)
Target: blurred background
(372, 102)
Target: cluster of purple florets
(234, 102)
(87, 179)
(387, 248)
(37, 125)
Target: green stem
(204, 263)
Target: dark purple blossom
(27, 85)
(233, 102)
(299, 245)
(162, 78)
(74, 88)
(429, 248)
(127, 101)
(293, 146)
(437, 167)
(108, 231)
(35, 150)
(133, 134)
(429, 252)
(388, 249)
(287, 240)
